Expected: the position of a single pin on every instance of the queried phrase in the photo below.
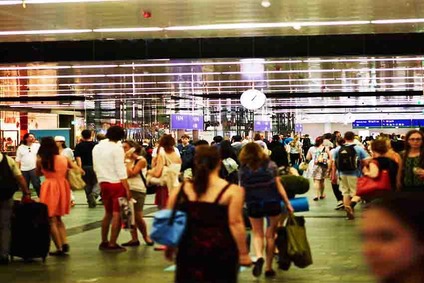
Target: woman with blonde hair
(264, 192)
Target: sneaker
(339, 206)
(103, 246)
(349, 213)
(91, 200)
(116, 249)
(257, 268)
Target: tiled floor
(334, 242)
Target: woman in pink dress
(55, 190)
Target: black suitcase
(30, 231)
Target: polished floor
(334, 242)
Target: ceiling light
(266, 3)
(142, 29)
(398, 21)
(34, 68)
(297, 27)
(93, 66)
(44, 32)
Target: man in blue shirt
(187, 156)
(349, 160)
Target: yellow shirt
(12, 164)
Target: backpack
(347, 158)
(321, 157)
(8, 183)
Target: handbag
(75, 180)
(169, 224)
(162, 180)
(150, 189)
(298, 247)
(367, 185)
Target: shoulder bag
(169, 224)
(367, 185)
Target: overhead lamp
(297, 27)
(266, 3)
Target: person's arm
(283, 194)
(18, 157)
(73, 165)
(79, 162)
(119, 164)
(236, 223)
(19, 178)
(133, 171)
(309, 155)
(371, 170)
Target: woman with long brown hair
(214, 242)
(55, 191)
(411, 178)
(167, 159)
(264, 192)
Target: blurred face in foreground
(390, 248)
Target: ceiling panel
(170, 13)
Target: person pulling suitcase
(11, 179)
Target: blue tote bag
(169, 225)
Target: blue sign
(262, 126)
(416, 123)
(186, 122)
(298, 128)
(366, 124)
(179, 121)
(197, 123)
(405, 123)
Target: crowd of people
(212, 183)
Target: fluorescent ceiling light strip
(264, 25)
(34, 68)
(106, 83)
(93, 66)
(44, 32)
(139, 29)
(54, 77)
(398, 21)
(205, 63)
(163, 74)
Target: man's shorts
(260, 210)
(348, 185)
(111, 192)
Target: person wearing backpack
(349, 159)
(321, 158)
(10, 179)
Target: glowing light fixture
(139, 29)
(28, 2)
(266, 3)
(398, 21)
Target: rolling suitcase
(30, 231)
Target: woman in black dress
(214, 243)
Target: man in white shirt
(109, 166)
(26, 157)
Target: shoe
(339, 206)
(322, 197)
(103, 246)
(131, 244)
(65, 248)
(57, 253)
(349, 213)
(150, 243)
(116, 249)
(270, 273)
(316, 198)
(91, 200)
(160, 248)
(257, 268)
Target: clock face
(253, 99)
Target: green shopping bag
(298, 247)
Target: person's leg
(116, 228)
(105, 226)
(142, 227)
(270, 241)
(27, 177)
(5, 229)
(35, 180)
(321, 188)
(317, 186)
(54, 230)
(62, 231)
(258, 244)
(336, 191)
(90, 180)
